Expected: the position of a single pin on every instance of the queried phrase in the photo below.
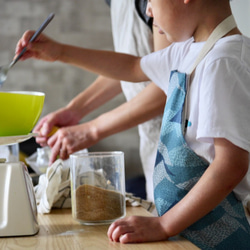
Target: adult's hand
(68, 140)
(60, 118)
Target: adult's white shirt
(132, 35)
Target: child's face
(171, 17)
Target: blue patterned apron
(178, 168)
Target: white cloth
(131, 35)
(219, 98)
(53, 189)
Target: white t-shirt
(219, 97)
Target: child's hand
(137, 229)
(42, 48)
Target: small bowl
(19, 111)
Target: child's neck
(204, 30)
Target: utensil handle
(42, 27)
(36, 34)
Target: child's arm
(110, 64)
(226, 171)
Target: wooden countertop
(58, 230)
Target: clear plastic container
(10, 153)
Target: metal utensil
(4, 69)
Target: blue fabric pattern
(177, 170)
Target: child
(200, 177)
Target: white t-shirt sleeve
(156, 67)
(224, 103)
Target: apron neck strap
(221, 30)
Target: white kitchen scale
(18, 211)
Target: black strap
(141, 6)
(108, 2)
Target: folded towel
(53, 189)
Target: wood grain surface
(58, 230)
